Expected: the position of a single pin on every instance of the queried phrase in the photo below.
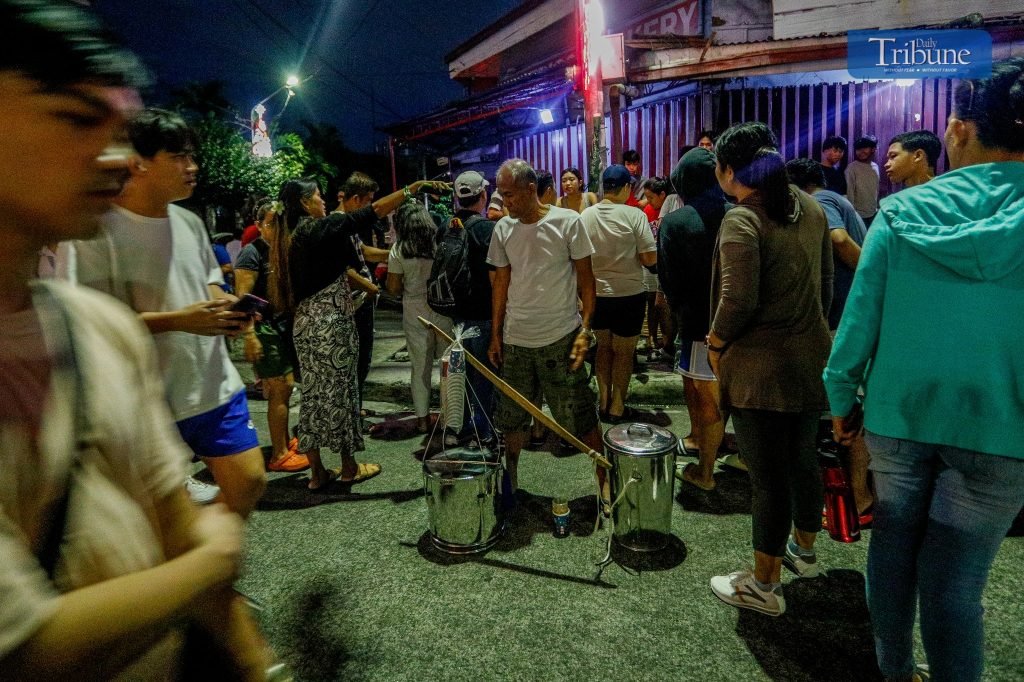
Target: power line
(287, 31)
(269, 34)
(362, 20)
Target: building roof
(553, 82)
(522, 10)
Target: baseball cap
(865, 142)
(470, 184)
(615, 177)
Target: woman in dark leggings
(771, 289)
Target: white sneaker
(201, 493)
(740, 589)
(804, 566)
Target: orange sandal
(292, 463)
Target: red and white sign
(678, 19)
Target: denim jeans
(940, 515)
(481, 393)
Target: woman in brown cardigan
(771, 287)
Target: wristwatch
(591, 336)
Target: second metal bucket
(643, 468)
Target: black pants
(781, 454)
(364, 327)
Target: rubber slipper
(292, 463)
(733, 461)
(628, 415)
(364, 472)
(687, 475)
(332, 476)
(687, 450)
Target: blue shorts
(226, 430)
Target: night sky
(373, 62)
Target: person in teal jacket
(932, 332)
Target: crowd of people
(785, 289)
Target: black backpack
(450, 284)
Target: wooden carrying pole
(515, 395)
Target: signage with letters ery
(923, 53)
(680, 19)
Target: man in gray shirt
(846, 228)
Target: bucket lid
(640, 440)
(459, 463)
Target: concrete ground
(353, 589)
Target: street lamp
(258, 125)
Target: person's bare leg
(279, 392)
(767, 568)
(241, 477)
(804, 538)
(603, 370)
(652, 321)
(514, 442)
(623, 348)
(859, 460)
(318, 474)
(666, 324)
(711, 428)
(691, 441)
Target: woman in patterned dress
(309, 257)
(324, 332)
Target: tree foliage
(228, 171)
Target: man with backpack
(462, 261)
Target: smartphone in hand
(251, 305)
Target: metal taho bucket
(643, 468)
(461, 486)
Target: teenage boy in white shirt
(156, 257)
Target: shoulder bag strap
(50, 552)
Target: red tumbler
(840, 509)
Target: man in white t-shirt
(539, 336)
(104, 559)
(156, 257)
(623, 247)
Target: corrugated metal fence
(802, 116)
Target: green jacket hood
(970, 220)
